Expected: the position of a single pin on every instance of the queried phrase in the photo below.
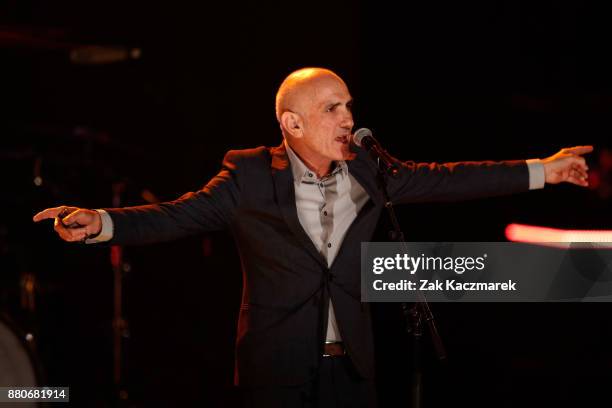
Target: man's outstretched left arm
(426, 182)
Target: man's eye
(330, 108)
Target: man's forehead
(326, 89)
(311, 88)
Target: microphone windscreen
(360, 134)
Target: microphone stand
(120, 326)
(416, 313)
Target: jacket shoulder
(248, 160)
(253, 155)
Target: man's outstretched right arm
(208, 209)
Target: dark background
(436, 81)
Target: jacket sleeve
(421, 182)
(208, 209)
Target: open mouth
(342, 139)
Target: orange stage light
(558, 237)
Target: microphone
(363, 138)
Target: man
(299, 213)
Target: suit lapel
(360, 169)
(285, 197)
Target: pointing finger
(578, 150)
(52, 213)
(47, 213)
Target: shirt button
(329, 245)
(324, 212)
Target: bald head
(300, 87)
(313, 108)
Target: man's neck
(320, 168)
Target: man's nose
(347, 121)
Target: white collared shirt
(326, 208)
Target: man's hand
(568, 165)
(71, 223)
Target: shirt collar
(303, 174)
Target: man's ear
(292, 123)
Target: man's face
(327, 120)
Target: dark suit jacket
(287, 284)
